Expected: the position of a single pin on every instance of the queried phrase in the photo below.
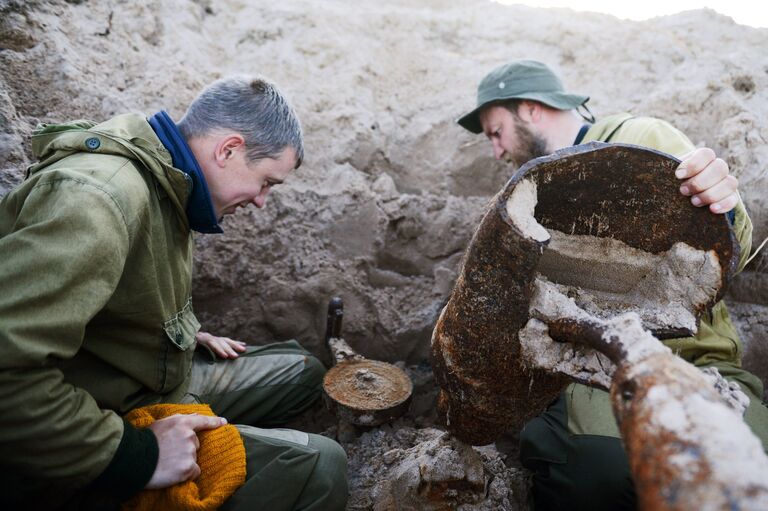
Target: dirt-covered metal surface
(606, 276)
(687, 445)
(619, 192)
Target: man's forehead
(286, 160)
(289, 154)
(491, 114)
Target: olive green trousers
(285, 469)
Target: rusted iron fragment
(628, 196)
(687, 444)
(357, 390)
(687, 448)
(624, 195)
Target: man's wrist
(132, 465)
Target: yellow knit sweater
(221, 458)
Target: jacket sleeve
(742, 228)
(62, 258)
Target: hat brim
(559, 100)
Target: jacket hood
(128, 135)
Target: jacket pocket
(182, 327)
(177, 358)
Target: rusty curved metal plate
(606, 190)
(629, 193)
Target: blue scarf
(200, 212)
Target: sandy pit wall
(391, 188)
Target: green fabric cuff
(133, 464)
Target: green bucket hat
(521, 79)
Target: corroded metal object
(613, 191)
(360, 391)
(627, 193)
(688, 448)
(367, 392)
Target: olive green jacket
(717, 340)
(95, 310)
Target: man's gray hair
(250, 106)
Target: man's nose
(498, 151)
(261, 198)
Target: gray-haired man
(574, 448)
(96, 317)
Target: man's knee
(575, 471)
(314, 371)
(543, 442)
(599, 469)
(327, 486)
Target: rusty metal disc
(367, 392)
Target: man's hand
(178, 443)
(707, 181)
(224, 347)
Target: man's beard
(529, 146)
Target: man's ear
(530, 111)
(227, 146)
